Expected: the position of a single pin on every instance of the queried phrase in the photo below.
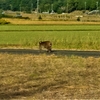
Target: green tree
(58, 6)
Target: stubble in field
(48, 77)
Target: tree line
(57, 6)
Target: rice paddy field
(82, 37)
(53, 76)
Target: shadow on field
(56, 52)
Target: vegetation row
(83, 39)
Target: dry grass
(67, 18)
(36, 22)
(48, 77)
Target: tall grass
(50, 27)
(74, 37)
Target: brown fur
(45, 44)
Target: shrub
(4, 22)
(78, 18)
(40, 18)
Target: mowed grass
(48, 77)
(62, 36)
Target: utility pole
(31, 7)
(52, 11)
(67, 7)
(37, 6)
(97, 5)
(85, 6)
(20, 6)
(11, 7)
